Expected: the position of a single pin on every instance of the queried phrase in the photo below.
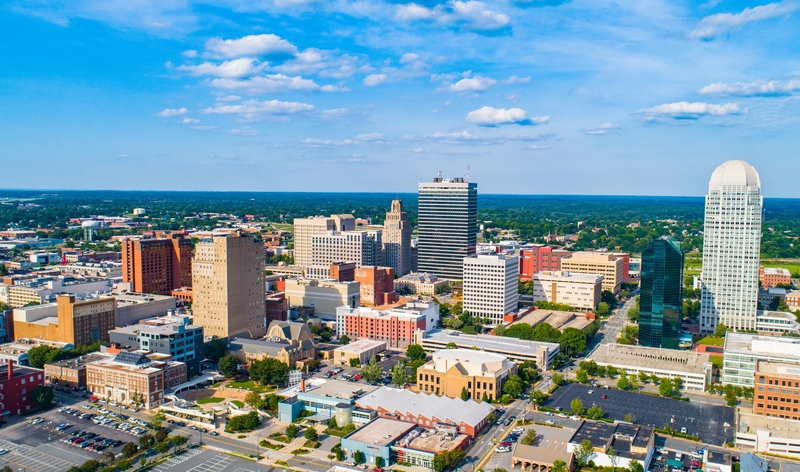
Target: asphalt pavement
(486, 440)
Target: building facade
(731, 248)
(420, 284)
(774, 276)
(70, 372)
(228, 286)
(16, 388)
(777, 390)
(491, 288)
(609, 265)
(395, 326)
(157, 265)
(377, 285)
(172, 335)
(582, 291)
(363, 350)
(397, 239)
(306, 228)
(661, 298)
(67, 320)
(453, 371)
(520, 350)
(743, 352)
(324, 296)
(447, 226)
(539, 258)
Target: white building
(731, 248)
(776, 323)
(419, 283)
(364, 248)
(491, 287)
(397, 239)
(324, 296)
(305, 228)
(583, 291)
(743, 351)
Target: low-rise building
(419, 284)
(616, 445)
(693, 368)
(70, 373)
(363, 350)
(774, 276)
(519, 350)
(581, 291)
(17, 384)
(377, 285)
(172, 335)
(610, 266)
(777, 390)
(248, 350)
(324, 296)
(776, 323)
(743, 351)
(793, 299)
(396, 326)
(17, 351)
(135, 378)
(326, 399)
(67, 320)
(453, 371)
(133, 307)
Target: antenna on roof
(466, 177)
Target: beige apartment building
(419, 284)
(610, 266)
(306, 228)
(582, 291)
(67, 320)
(228, 286)
(451, 371)
(324, 295)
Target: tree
(602, 309)
(339, 454)
(38, 356)
(147, 441)
(129, 449)
(292, 430)
(665, 387)
(162, 447)
(90, 466)
(576, 405)
(583, 452)
(635, 466)
(269, 371)
(42, 396)
(720, 330)
(529, 372)
(372, 371)
(730, 397)
(142, 462)
(677, 383)
(558, 379)
(108, 457)
(464, 394)
(628, 417)
(447, 460)
(452, 345)
(514, 386)
(354, 362)
(399, 374)
(124, 464)
(623, 382)
(178, 441)
(559, 466)
(358, 457)
(311, 434)
(156, 418)
(538, 397)
(378, 462)
(161, 435)
(529, 438)
(643, 378)
(415, 352)
(344, 340)
(573, 341)
(228, 366)
(581, 376)
(216, 348)
(253, 399)
(612, 456)
(594, 412)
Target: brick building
(777, 390)
(377, 285)
(157, 265)
(70, 372)
(539, 258)
(67, 320)
(395, 326)
(772, 276)
(16, 388)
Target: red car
(604, 396)
(358, 377)
(696, 463)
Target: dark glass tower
(661, 298)
(447, 226)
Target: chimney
(10, 368)
(302, 385)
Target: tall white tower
(731, 248)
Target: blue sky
(536, 96)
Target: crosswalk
(176, 460)
(215, 464)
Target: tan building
(290, 353)
(397, 239)
(419, 284)
(777, 390)
(582, 291)
(451, 371)
(228, 286)
(70, 372)
(363, 350)
(290, 331)
(324, 296)
(135, 378)
(610, 266)
(377, 285)
(305, 228)
(67, 320)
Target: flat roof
(621, 436)
(446, 410)
(338, 389)
(381, 431)
(362, 345)
(80, 361)
(650, 358)
(777, 368)
(488, 342)
(753, 344)
(540, 454)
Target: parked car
(502, 449)
(590, 392)
(603, 396)
(213, 433)
(683, 430)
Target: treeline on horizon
(600, 221)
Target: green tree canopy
(594, 412)
(464, 394)
(415, 352)
(572, 341)
(720, 330)
(529, 438)
(344, 340)
(372, 371)
(399, 375)
(665, 387)
(42, 396)
(583, 452)
(216, 348)
(576, 405)
(581, 376)
(228, 366)
(269, 371)
(514, 386)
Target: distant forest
(597, 221)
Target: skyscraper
(397, 239)
(228, 286)
(447, 226)
(157, 265)
(731, 248)
(661, 299)
(306, 228)
(491, 286)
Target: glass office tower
(447, 226)
(661, 297)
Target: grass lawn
(712, 341)
(251, 385)
(792, 265)
(237, 403)
(203, 401)
(716, 360)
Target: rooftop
(777, 271)
(80, 361)
(338, 389)
(381, 431)
(567, 275)
(621, 436)
(651, 357)
(468, 361)
(362, 345)
(753, 344)
(446, 410)
(734, 172)
(487, 342)
(431, 440)
(776, 368)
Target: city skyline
(189, 96)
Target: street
(486, 440)
(611, 328)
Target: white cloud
(246, 131)
(476, 83)
(324, 63)
(232, 69)
(375, 79)
(334, 113)
(714, 25)
(190, 121)
(453, 135)
(605, 128)
(479, 16)
(472, 13)
(229, 98)
(538, 147)
(417, 150)
(412, 11)
(273, 83)
(369, 137)
(173, 111)
(686, 109)
(252, 45)
(489, 116)
(189, 53)
(517, 80)
(755, 88)
(409, 57)
(253, 108)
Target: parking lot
(707, 421)
(199, 460)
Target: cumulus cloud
(477, 83)
(714, 25)
(232, 69)
(173, 111)
(517, 80)
(252, 45)
(489, 116)
(471, 13)
(246, 131)
(751, 89)
(273, 83)
(189, 53)
(190, 121)
(334, 113)
(692, 110)
(605, 128)
(324, 63)
(375, 79)
(254, 108)
(409, 57)
(453, 135)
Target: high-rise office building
(363, 248)
(447, 226)
(661, 298)
(306, 228)
(157, 265)
(397, 239)
(731, 248)
(491, 286)
(228, 286)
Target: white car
(502, 449)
